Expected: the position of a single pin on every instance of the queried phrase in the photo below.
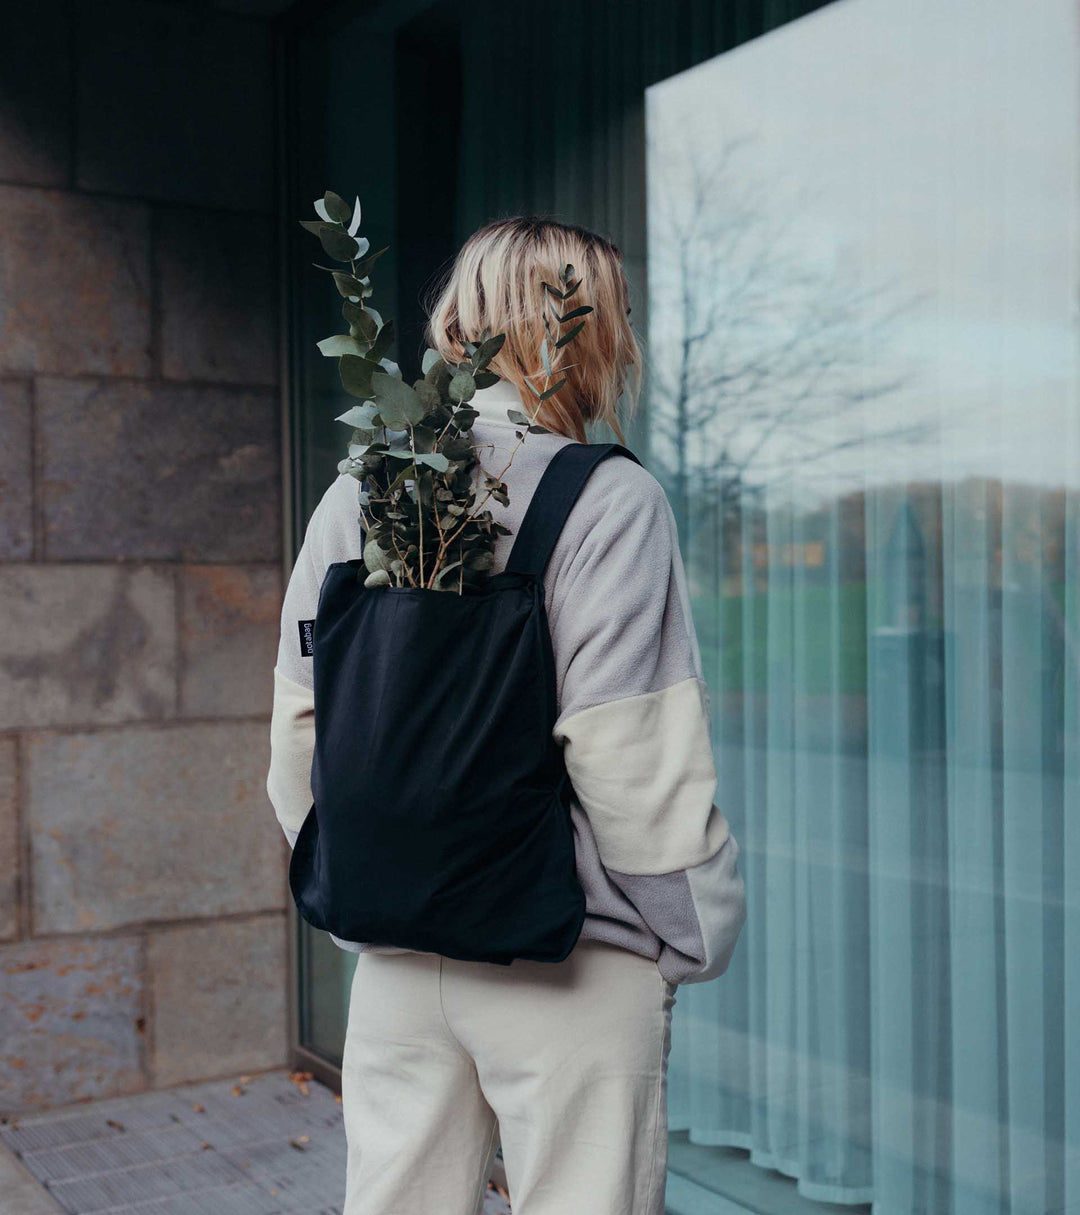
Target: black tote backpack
(440, 819)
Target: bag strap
(558, 489)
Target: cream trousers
(564, 1062)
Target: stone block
(76, 284)
(217, 276)
(71, 1021)
(230, 620)
(10, 843)
(35, 118)
(175, 102)
(172, 472)
(146, 823)
(16, 469)
(219, 997)
(86, 644)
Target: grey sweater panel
(654, 853)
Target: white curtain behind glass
(863, 288)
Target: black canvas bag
(440, 819)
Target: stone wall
(142, 873)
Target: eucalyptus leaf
(335, 207)
(431, 357)
(356, 376)
(334, 347)
(488, 350)
(443, 572)
(364, 267)
(462, 387)
(350, 287)
(377, 578)
(567, 337)
(374, 556)
(360, 416)
(338, 245)
(360, 319)
(576, 312)
(398, 402)
(439, 375)
(423, 437)
(428, 394)
(384, 339)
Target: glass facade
(853, 235)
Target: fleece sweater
(655, 854)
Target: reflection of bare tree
(761, 360)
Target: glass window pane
(862, 299)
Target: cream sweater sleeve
(634, 721)
(333, 534)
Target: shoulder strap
(558, 489)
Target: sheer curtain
(864, 402)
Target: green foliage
(410, 443)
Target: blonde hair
(496, 283)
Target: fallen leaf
(199, 1108)
(300, 1079)
(119, 1125)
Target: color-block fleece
(655, 854)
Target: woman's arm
(333, 534)
(634, 724)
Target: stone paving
(271, 1144)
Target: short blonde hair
(496, 283)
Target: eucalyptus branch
(415, 439)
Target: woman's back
(654, 853)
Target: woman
(563, 1063)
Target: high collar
(491, 403)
